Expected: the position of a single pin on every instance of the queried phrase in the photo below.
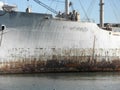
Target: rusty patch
(61, 60)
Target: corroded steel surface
(66, 64)
(60, 60)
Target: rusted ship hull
(65, 64)
(33, 43)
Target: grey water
(61, 81)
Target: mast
(66, 7)
(101, 13)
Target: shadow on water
(65, 75)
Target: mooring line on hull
(1, 38)
(3, 27)
(93, 57)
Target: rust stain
(61, 60)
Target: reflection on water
(61, 81)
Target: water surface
(61, 81)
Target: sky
(86, 8)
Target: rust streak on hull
(65, 64)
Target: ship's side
(34, 42)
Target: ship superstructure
(36, 42)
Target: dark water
(61, 81)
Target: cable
(113, 9)
(50, 5)
(58, 1)
(56, 4)
(84, 10)
(90, 8)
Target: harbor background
(87, 9)
(61, 81)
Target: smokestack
(66, 7)
(101, 13)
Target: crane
(46, 6)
